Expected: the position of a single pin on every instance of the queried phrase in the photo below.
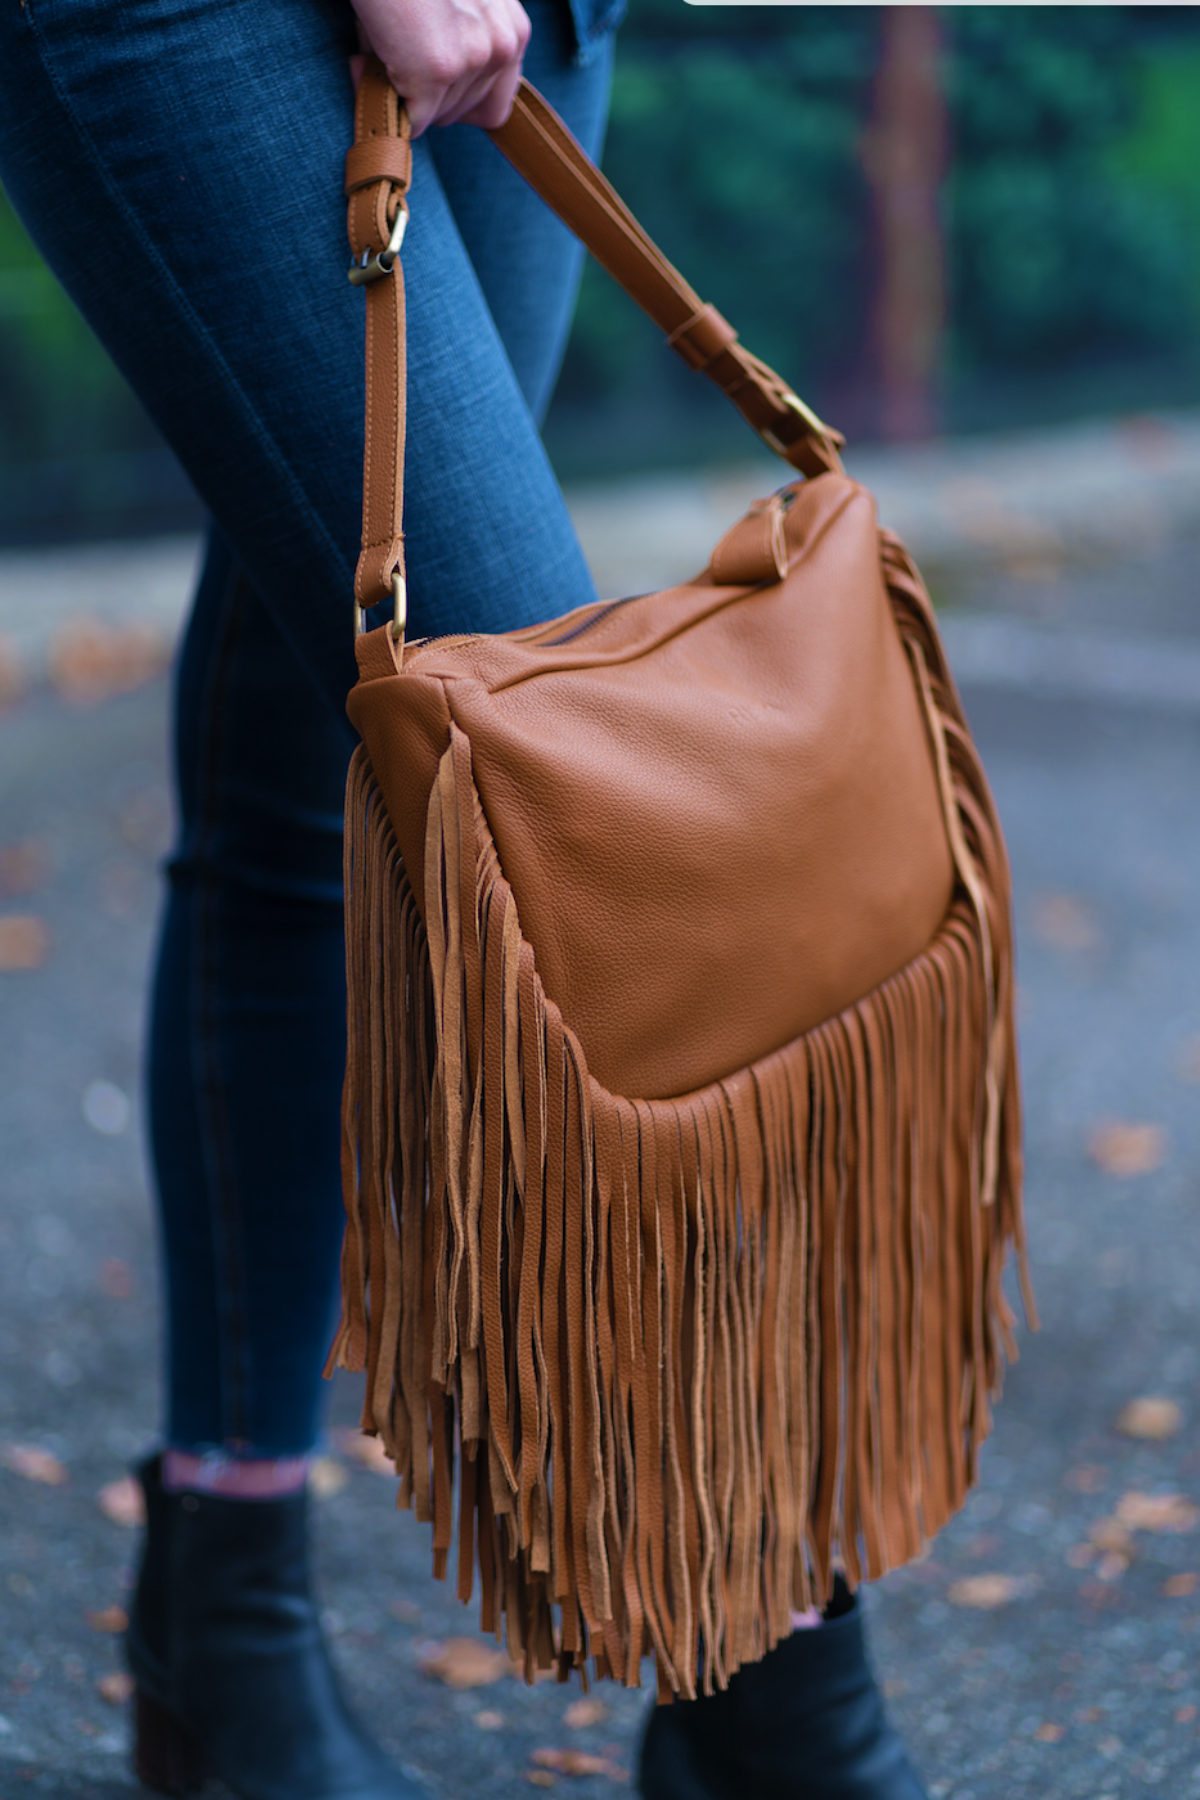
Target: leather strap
(378, 172)
(378, 159)
(540, 148)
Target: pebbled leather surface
(717, 809)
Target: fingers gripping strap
(540, 148)
(378, 171)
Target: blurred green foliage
(1160, 152)
(58, 390)
(739, 156)
(1072, 208)
(1058, 252)
(78, 456)
(1072, 215)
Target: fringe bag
(681, 1122)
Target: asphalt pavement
(1049, 1643)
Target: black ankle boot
(805, 1723)
(233, 1676)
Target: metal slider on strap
(373, 268)
(815, 425)
(399, 610)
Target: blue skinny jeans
(179, 164)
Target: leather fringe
(688, 1355)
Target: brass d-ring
(816, 426)
(399, 610)
(399, 607)
(374, 268)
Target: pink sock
(806, 1621)
(234, 1477)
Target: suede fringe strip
(687, 1355)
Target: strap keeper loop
(379, 159)
(702, 338)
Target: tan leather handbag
(681, 1114)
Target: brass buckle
(815, 425)
(373, 268)
(399, 610)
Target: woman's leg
(180, 166)
(527, 261)
(182, 169)
(248, 1032)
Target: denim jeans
(179, 164)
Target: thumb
(422, 105)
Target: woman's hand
(449, 60)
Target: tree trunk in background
(904, 155)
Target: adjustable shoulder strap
(378, 174)
(556, 166)
(539, 146)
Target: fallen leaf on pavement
(1065, 922)
(575, 1762)
(1185, 1715)
(123, 1502)
(12, 674)
(1050, 1734)
(489, 1721)
(368, 1451)
(1112, 1536)
(90, 660)
(1157, 1512)
(582, 1713)
(1113, 1544)
(326, 1477)
(1150, 1417)
(24, 941)
(466, 1663)
(985, 1592)
(1182, 1586)
(109, 1618)
(1125, 1149)
(33, 1464)
(116, 1278)
(539, 1777)
(116, 1688)
(23, 866)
